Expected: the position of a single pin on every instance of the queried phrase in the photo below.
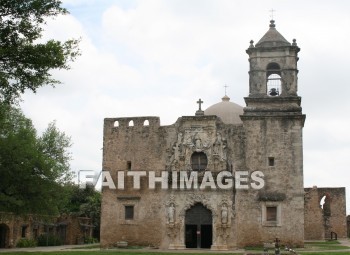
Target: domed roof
(228, 112)
(272, 38)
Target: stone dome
(228, 112)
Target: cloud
(158, 57)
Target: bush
(88, 240)
(49, 240)
(24, 242)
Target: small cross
(272, 11)
(200, 102)
(225, 89)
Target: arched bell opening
(274, 80)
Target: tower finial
(225, 89)
(271, 15)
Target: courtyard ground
(311, 247)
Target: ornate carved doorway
(198, 227)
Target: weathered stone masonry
(264, 136)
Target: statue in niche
(171, 213)
(179, 144)
(174, 151)
(224, 214)
(189, 142)
(198, 144)
(177, 147)
(217, 145)
(223, 155)
(216, 148)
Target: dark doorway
(206, 236)
(4, 232)
(191, 236)
(198, 228)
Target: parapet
(131, 122)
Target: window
(128, 165)
(326, 205)
(271, 213)
(131, 123)
(24, 230)
(271, 161)
(199, 161)
(129, 212)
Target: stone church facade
(263, 137)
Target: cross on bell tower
(199, 112)
(271, 15)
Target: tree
(24, 62)
(84, 202)
(33, 168)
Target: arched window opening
(116, 123)
(274, 83)
(273, 67)
(199, 161)
(131, 123)
(146, 123)
(325, 204)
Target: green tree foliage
(24, 62)
(84, 202)
(33, 168)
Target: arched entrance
(4, 235)
(198, 227)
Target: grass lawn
(325, 253)
(109, 252)
(322, 246)
(312, 248)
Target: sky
(157, 58)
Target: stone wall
(320, 222)
(69, 228)
(231, 148)
(278, 138)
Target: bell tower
(273, 66)
(273, 123)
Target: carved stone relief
(191, 140)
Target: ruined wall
(348, 224)
(314, 222)
(67, 227)
(320, 222)
(74, 229)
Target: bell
(273, 92)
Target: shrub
(49, 240)
(24, 242)
(88, 240)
